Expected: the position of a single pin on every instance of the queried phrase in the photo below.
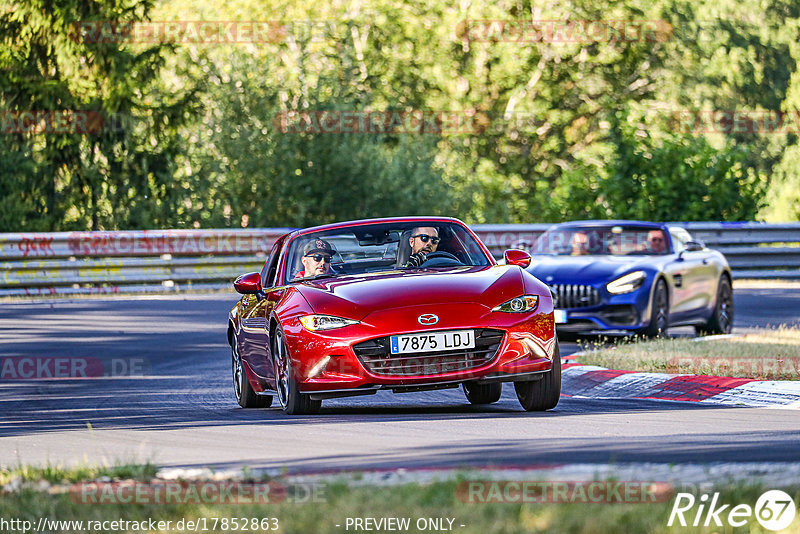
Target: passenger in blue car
(579, 244)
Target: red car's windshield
(609, 240)
(381, 247)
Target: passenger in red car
(423, 241)
(316, 258)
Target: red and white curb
(600, 383)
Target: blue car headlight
(626, 284)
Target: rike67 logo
(774, 510)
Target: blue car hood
(586, 269)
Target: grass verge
(328, 508)
(772, 354)
(55, 474)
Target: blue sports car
(632, 277)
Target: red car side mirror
(517, 257)
(248, 284)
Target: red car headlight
(523, 304)
(316, 322)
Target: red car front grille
(376, 357)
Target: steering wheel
(441, 255)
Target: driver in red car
(423, 241)
(316, 258)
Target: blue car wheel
(659, 311)
(721, 320)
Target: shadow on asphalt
(549, 452)
(171, 403)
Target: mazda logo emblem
(428, 318)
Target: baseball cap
(318, 246)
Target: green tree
(563, 129)
(106, 177)
(680, 178)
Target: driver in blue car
(423, 241)
(657, 241)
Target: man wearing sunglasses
(316, 258)
(423, 241)
(657, 241)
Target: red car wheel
(245, 396)
(292, 401)
(542, 394)
(483, 393)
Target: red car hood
(356, 296)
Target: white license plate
(560, 316)
(433, 341)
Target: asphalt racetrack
(181, 412)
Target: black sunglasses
(319, 257)
(425, 237)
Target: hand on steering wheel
(416, 259)
(441, 254)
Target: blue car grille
(574, 296)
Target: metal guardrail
(130, 261)
(753, 250)
(170, 260)
(138, 243)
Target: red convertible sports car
(404, 304)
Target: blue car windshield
(603, 241)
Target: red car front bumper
(509, 347)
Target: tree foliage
(561, 129)
(120, 171)
(680, 178)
